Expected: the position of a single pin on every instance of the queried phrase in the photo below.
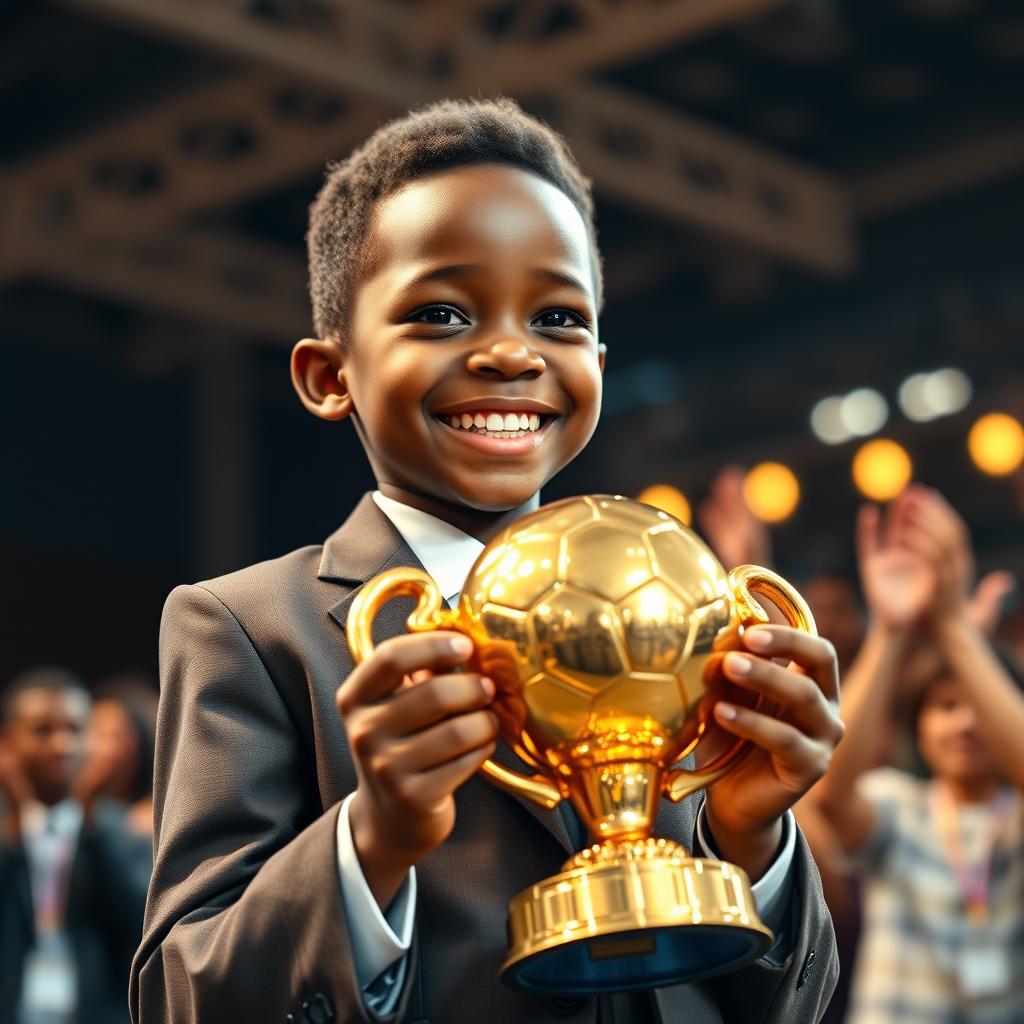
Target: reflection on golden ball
(597, 616)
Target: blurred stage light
(881, 469)
(771, 491)
(996, 444)
(669, 499)
(926, 396)
(864, 411)
(913, 399)
(827, 421)
(947, 391)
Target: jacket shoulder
(279, 586)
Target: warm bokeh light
(881, 469)
(669, 499)
(771, 491)
(996, 444)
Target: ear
(602, 348)
(318, 376)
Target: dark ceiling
(150, 432)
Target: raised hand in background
(735, 534)
(899, 583)
(15, 788)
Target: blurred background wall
(806, 210)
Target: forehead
(944, 689)
(479, 213)
(45, 703)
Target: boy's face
(47, 735)
(477, 309)
(948, 737)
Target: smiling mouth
(488, 423)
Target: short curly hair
(444, 134)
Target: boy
(73, 876)
(943, 859)
(316, 867)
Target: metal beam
(406, 54)
(255, 293)
(963, 165)
(214, 146)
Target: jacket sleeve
(800, 987)
(244, 919)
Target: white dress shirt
(380, 941)
(49, 837)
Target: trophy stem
(618, 802)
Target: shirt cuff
(773, 890)
(379, 941)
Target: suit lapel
(367, 544)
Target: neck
(482, 524)
(971, 791)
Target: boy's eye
(561, 318)
(440, 316)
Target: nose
(509, 358)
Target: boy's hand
(899, 585)
(793, 736)
(414, 744)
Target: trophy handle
(430, 614)
(402, 582)
(744, 582)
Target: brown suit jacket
(245, 921)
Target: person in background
(122, 730)
(72, 874)
(942, 858)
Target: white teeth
(510, 424)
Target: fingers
(798, 752)
(383, 672)
(869, 538)
(791, 690)
(431, 787)
(437, 698)
(441, 743)
(815, 655)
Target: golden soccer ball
(602, 622)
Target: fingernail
(759, 638)
(488, 685)
(724, 710)
(462, 646)
(738, 665)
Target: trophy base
(632, 915)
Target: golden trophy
(603, 623)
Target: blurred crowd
(76, 780)
(917, 828)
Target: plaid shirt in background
(915, 922)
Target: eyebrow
(462, 269)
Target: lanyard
(974, 879)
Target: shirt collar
(444, 550)
(63, 819)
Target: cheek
(582, 381)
